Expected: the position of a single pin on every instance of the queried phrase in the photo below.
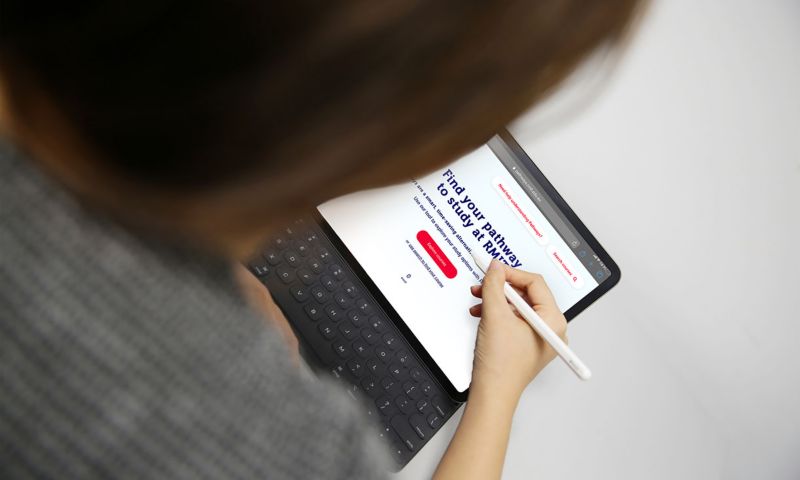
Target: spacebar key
(403, 429)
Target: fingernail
(494, 265)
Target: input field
(565, 267)
(528, 219)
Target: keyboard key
(416, 374)
(390, 340)
(259, 267)
(333, 312)
(337, 272)
(306, 276)
(341, 349)
(356, 317)
(328, 282)
(348, 330)
(315, 266)
(292, 258)
(272, 257)
(356, 367)
(378, 323)
(412, 390)
(399, 372)
(403, 357)
(313, 311)
(434, 420)
(327, 330)
(338, 373)
(389, 385)
(361, 348)
(415, 393)
(369, 335)
(439, 405)
(369, 385)
(342, 300)
(404, 404)
(384, 405)
(426, 388)
(311, 236)
(422, 405)
(382, 353)
(280, 242)
(302, 248)
(364, 306)
(324, 255)
(395, 369)
(285, 273)
(350, 289)
(403, 430)
(418, 425)
(377, 368)
(299, 293)
(319, 294)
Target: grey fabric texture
(122, 356)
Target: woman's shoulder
(121, 353)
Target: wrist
(497, 397)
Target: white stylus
(539, 325)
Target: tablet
(411, 245)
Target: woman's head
(217, 118)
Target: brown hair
(219, 116)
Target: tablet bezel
(558, 202)
(573, 220)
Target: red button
(436, 253)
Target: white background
(685, 162)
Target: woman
(148, 147)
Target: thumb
(492, 292)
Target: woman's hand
(260, 300)
(508, 353)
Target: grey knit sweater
(125, 357)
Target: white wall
(686, 164)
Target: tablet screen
(414, 239)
